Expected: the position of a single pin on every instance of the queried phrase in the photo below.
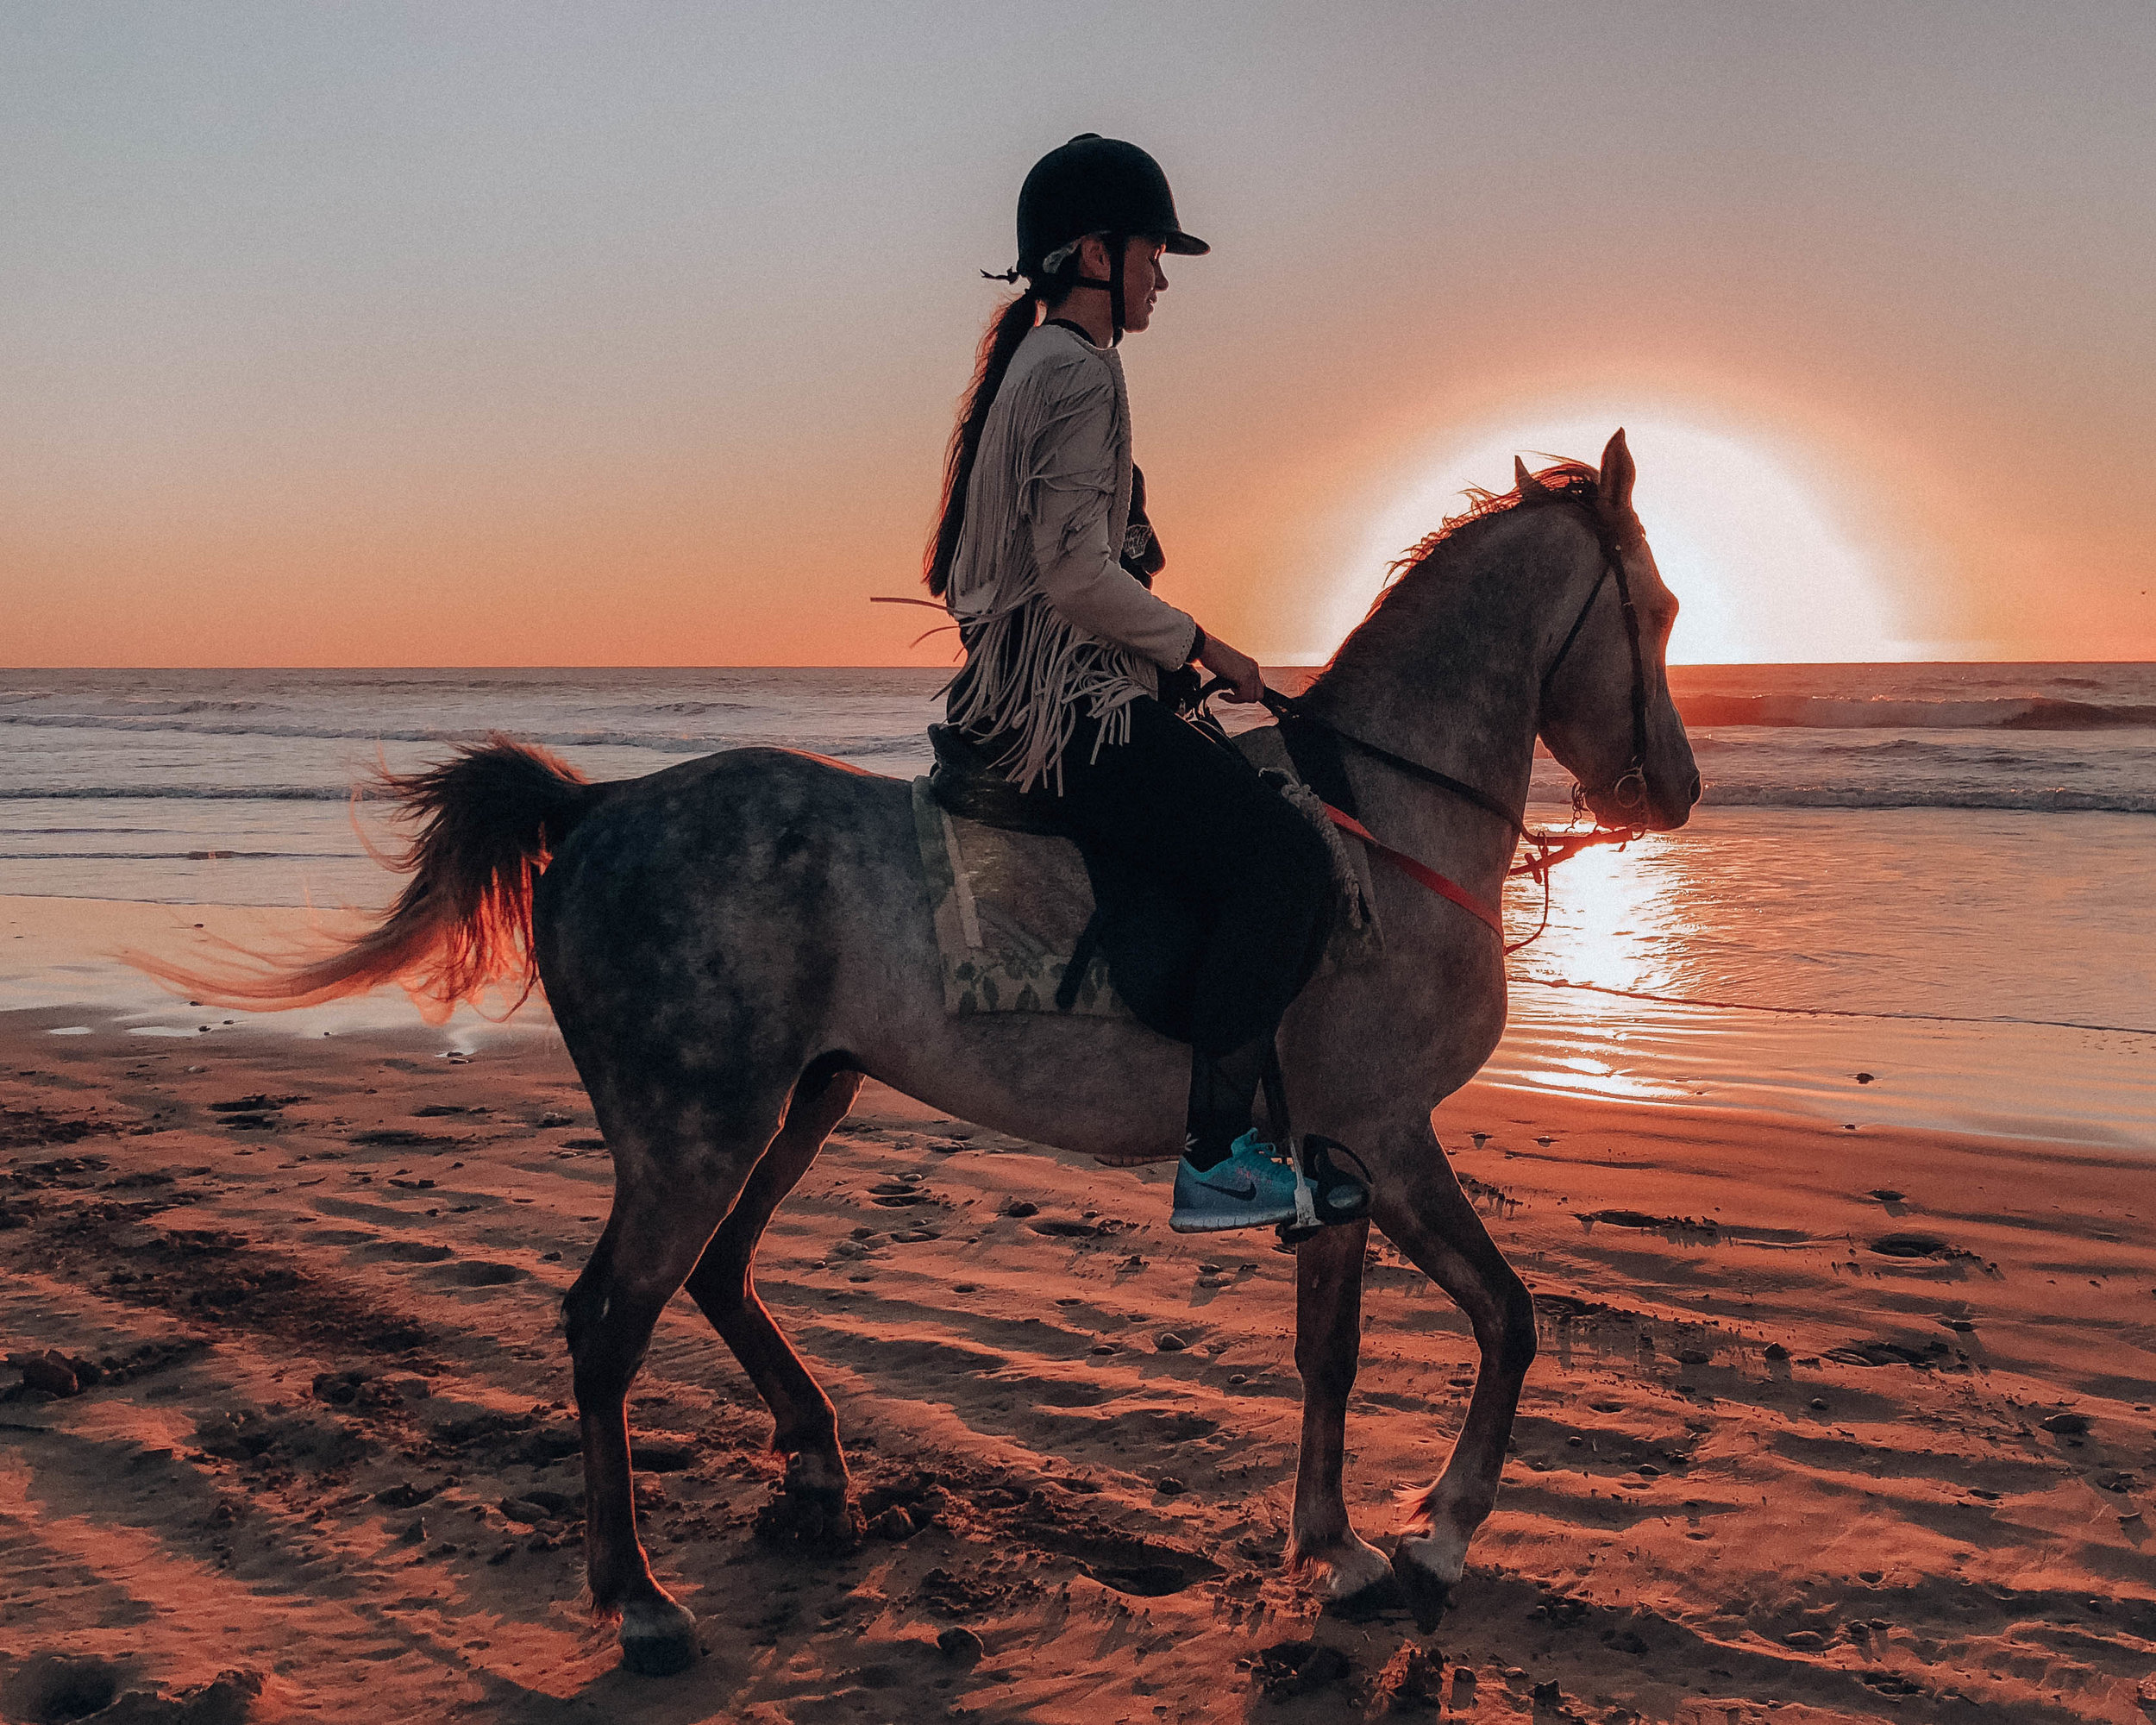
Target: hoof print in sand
(821, 1519)
(655, 1454)
(52, 1373)
(957, 1643)
(403, 1138)
(894, 1524)
(409, 1252)
(50, 1688)
(1916, 1245)
(1057, 1229)
(535, 1506)
(898, 1508)
(948, 1593)
(356, 1389)
(1888, 1353)
(1292, 1668)
(1147, 1570)
(478, 1275)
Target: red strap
(1420, 872)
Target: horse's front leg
(1422, 1210)
(1328, 1340)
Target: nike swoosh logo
(1237, 1184)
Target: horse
(730, 946)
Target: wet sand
(1794, 1448)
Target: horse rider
(1046, 559)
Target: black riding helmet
(1100, 186)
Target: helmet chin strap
(1118, 244)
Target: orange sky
(470, 336)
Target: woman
(1045, 558)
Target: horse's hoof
(1428, 1591)
(658, 1638)
(1379, 1598)
(1344, 1570)
(828, 1520)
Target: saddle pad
(1009, 907)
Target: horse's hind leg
(812, 1503)
(671, 1192)
(1422, 1209)
(1328, 1338)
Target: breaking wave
(671, 742)
(2045, 801)
(1823, 712)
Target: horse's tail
(485, 822)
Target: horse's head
(1606, 712)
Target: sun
(1763, 565)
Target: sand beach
(1832, 1420)
(647, 386)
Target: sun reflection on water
(1614, 916)
(1617, 922)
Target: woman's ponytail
(1001, 341)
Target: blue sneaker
(1251, 1189)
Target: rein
(1629, 788)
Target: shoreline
(2079, 1087)
(1785, 1444)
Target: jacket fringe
(1030, 671)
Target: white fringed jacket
(1054, 625)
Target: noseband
(1628, 790)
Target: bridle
(1628, 789)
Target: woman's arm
(1071, 488)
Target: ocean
(1937, 876)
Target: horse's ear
(1615, 487)
(1528, 485)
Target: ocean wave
(1823, 712)
(683, 743)
(2054, 800)
(178, 709)
(693, 707)
(215, 793)
(1671, 1000)
(1992, 751)
(176, 856)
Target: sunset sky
(614, 334)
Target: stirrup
(1325, 1195)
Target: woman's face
(1144, 281)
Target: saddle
(1029, 918)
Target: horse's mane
(1568, 482)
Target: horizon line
(1269, 665)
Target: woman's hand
(1239, 669)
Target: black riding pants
(1175, 803)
